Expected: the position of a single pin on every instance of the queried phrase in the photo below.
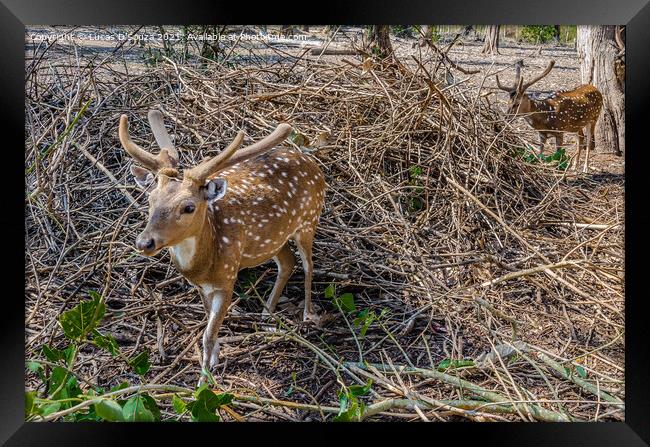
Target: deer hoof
(310, 317)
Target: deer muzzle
(146, 244)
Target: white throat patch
(184, 251)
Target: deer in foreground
(556, 113)
(232, 211)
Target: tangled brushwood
(454, 279)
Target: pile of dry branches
(473, 253)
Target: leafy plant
(203, 408)
(344, 302)
(61, 387)
(351, 408)
(362, 319)
(559, 158)
(537, 33)
(415, 199)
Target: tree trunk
(598, 52)
(556, 34)
(286, 31)
(380, 40)
(491, 42)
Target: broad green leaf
(30, 407)
(203, 409)
(51, 408)
(360, 390)
(34, 366)
(178, 404)
(581, 371)
(82, 318)
(87, 416)
(330, 291)
(135, 410)
(54, 354)
(109, 410)
(106, 342)
(345, 302)
(121, 386)
(152, 406)
(140, 363)
(57, 376)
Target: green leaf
(581, 371)
(364, 319)
(345, 302)
(34, 366)
(54, 355)
(178, 404)
(330, 291)
(360, 390)
(106, 342)
(121, 386)
(203, 409)
(152, 406)
(135, 410)
(57, 376)
(82, 318)
(30, 407)
(140, 363)
(51, 408)
(109, 410)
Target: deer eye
(189, 208)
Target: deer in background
(557, 113)
(232, 211)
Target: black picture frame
(14, 14)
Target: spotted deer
(235, 210)
(557, 113)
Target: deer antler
(161, 135)
(518, 65)
(204, 169)
(502, 87)
(153, 162)
(276, 137)
(227, 158)
(546, 71)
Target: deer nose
(145, 243)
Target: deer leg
(285, 261)
(542, 142)
(218, 299)
(304, 242)
(591, 144)
(559, 139)
(581, 142)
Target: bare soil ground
(458, 272)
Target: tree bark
(598, 52)
(491, 42)
(380, 40)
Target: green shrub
(537, 33)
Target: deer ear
(143, 178)
(215, 189)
